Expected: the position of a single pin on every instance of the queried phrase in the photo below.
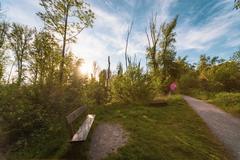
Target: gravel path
(107, 138)
(223, 125)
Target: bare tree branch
(127, 40)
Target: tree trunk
(10, 74)
(64, 46)
(126, 47)
(19, 81)
(108, 72)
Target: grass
(229, 102)
(168, 132)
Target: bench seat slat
(74, 115)
(82, 133)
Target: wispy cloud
(206, 35)
(233, 41)
(164, 9)
(205, 26)
(24, 12)
(109, 34)
(106, 39)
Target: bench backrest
(75, 114)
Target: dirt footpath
(107, 138)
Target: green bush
(188, 82)
(30, 119)
(133, 86)
(228, 98)
(224, 77)
(229, 102)
(95, 93)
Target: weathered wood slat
(82, 133)
(72, 116)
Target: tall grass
(229, 102)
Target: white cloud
(107, 38)
(24, 13)
(163, 9)
(131, 3)
(205, 36)
(233, 41)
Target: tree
(45, 58)
(119, 69)
(224, 76)
(108, 72)
(188, 82)
(3, 33)
(167, 50)
(96, 69)
(103, 78)
(236, 57)
(183, 65)
(127, 40)
(66, 18)
(153, 36)
(76, 72)
(133, 86)
(20, 39)
(237, 4)
(204, 63)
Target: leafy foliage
(20, 39)
(44, 62)
(67, 18)
(167, 53)
(236, 57)
(133, 86)
(71, 16)
(188, 82)
(153, 44)
(237, 4)
(3, 41)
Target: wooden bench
(82, 133)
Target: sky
(210, 27)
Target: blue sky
(211, 27)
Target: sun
(85, 69)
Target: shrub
(29, 115)
(133, 86)
(95, 93)
(224, 77)
(228, 98)
(188, 82)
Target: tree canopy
(66, 18)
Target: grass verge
(229, 102)
(172, 131)
(169, 132)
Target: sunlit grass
(171, 132)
